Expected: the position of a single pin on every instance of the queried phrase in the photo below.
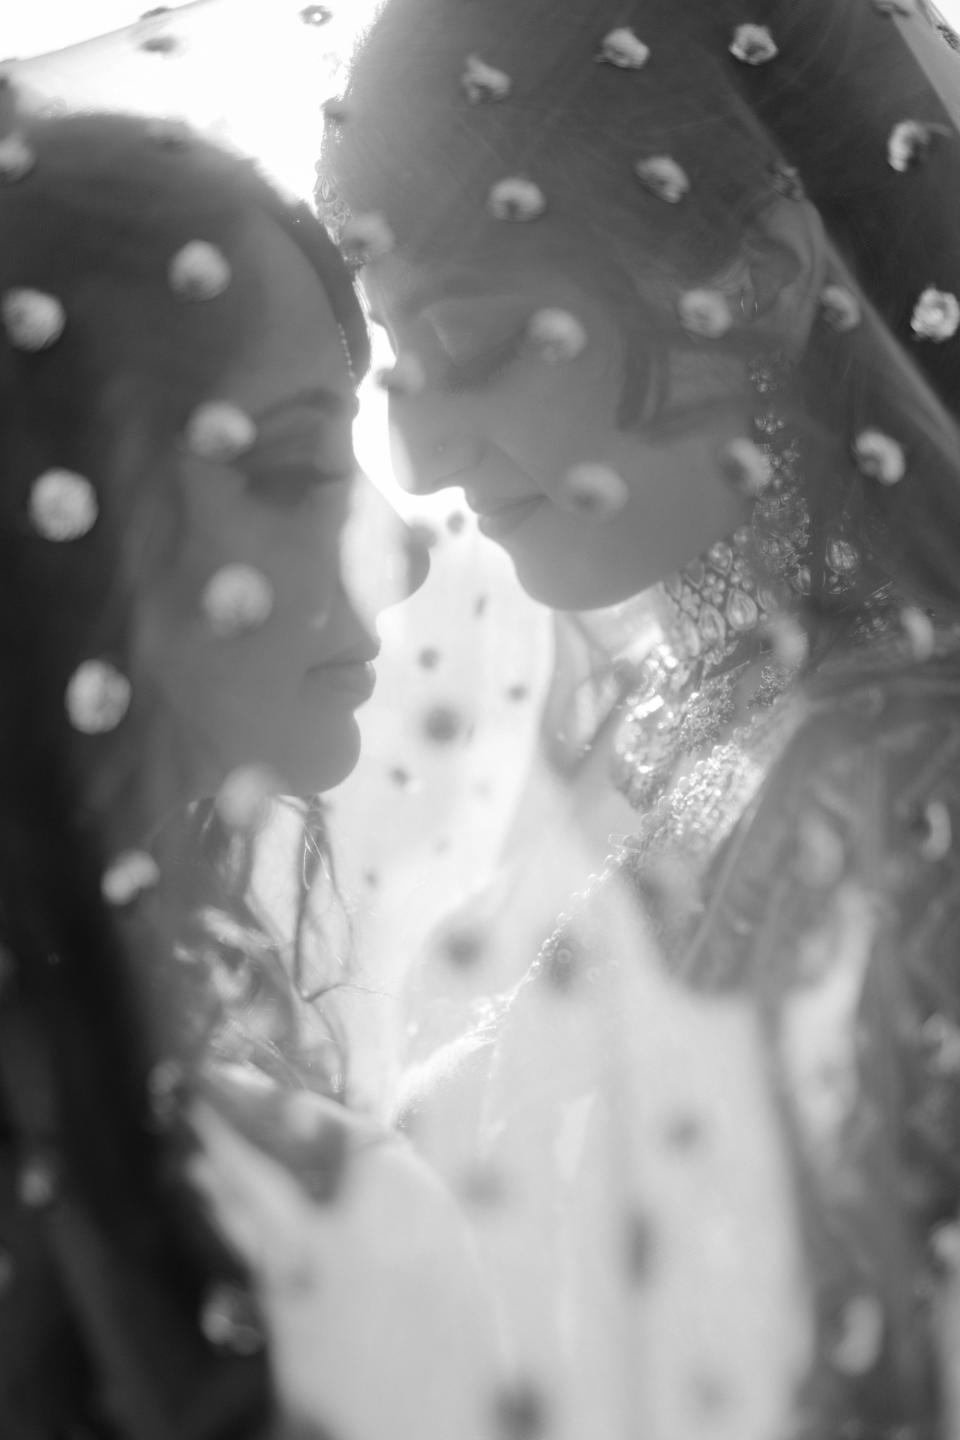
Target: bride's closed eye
(286, 484)
(296, 453)
(477, 339)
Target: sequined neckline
(681, 706)
(685, 695)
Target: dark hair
(95, 998)
(412, 146)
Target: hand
(374, 1306)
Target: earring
(780, 521)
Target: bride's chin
(317, 759)
(329, 760)
(565, 582)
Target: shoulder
(895, 714)
(876, 743)
(866, 792)
(836, 907)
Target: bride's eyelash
(473, 372)
(286, 485)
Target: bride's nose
(427, 456)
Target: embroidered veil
(699, 1129)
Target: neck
(717, 606)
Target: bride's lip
(500, 520)
(353, 679)
(351, 672)
(363, 653)
(498, 514)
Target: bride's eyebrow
(314, 397)
(449, 284)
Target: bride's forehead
(275, 264)
(429, 132)
(489, 51)
(294, 315)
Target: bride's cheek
(567, 420)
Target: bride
(180, 644)
(706, 1149)
(674, 292)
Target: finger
(261, 1210)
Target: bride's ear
(776, 284)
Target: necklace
(708, 670)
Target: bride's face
(283, 693)
(508, 425)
